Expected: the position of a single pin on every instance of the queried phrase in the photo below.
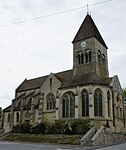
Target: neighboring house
(86, 91)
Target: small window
(80, 58)
(8, 117)
(108, 103)
(121, 116)
(17, 116)
(117, 112)
(50, 102)
(50, 84)
(88, 56)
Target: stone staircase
(86, 139)
(102, 136)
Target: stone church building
(85, 91)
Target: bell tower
(89, 50)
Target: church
(84, 92)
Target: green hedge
(24, 127)
(59, 127)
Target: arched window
(117, 112)
(82, 58)
(50, 102)
(98, 102)
(68, 105)
(108, 103)
(121, 116)
(99, 55)
(17, 117)
(85, 104)
(88, 56)
(79, 59)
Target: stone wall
(106, 137)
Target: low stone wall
(108, 138)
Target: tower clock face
(83, 44)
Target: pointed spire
(87, 30)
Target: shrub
(24, 127)
(82, 126)
(51, 128)
(16, 128)
(79, 126)
(40, 128)
(59, 127)
(69, 127)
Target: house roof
(87, 30)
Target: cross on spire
(87, 9)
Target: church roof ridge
(87, 30)
(38, 82)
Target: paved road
(21, 146)
(114, 147)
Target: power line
(53, 14)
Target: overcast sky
(42, 46)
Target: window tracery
(85, 103)
(68, 105)
(50, 102)
(98, 103)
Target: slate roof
(89, 78)
(38, 82)
(31, 84)
(67, 80)
(87, 30)
(7, 109)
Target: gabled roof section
(7, 109)
(64, 76)
(36, 83)
(115, 83)
(89, 78)
(31, 84)
(87, 30)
